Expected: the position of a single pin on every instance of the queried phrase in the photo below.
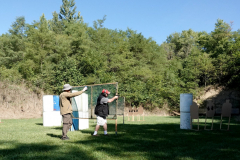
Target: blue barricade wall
(56, 106)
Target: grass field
(154, 138)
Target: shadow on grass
(40, 124)
(57, 128)
(42, 151)
(54, 135)
(167, 141)
(162, 140)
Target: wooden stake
(116, 126)
(116, 100)
(92, 110)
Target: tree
(40, 43)
(18, 27)
(55, 24)
(219, 44)
(12, 49)
(12, 46)
(66, 72)
(183, 42)
(99, 23)
(68, 11)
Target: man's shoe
(95, 135)
(65, 138)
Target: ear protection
(105, 91)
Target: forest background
(47, 54)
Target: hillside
(18, 101)
(219, 95)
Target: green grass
(154, 138)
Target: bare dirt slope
(219, 95)
(18, 101)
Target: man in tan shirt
(66, 108)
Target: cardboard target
(135, 111)
(210, 109)
(130, 111)
(226, 109)
(140, 110)
(194, 111)
(226, 112)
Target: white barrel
(81, 102)
(48, 103)
(84, 102)
(51, 119)
(78, 100)
(186, 100)
(83, 123)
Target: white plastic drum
(83, 123)
(48, 103)
(51, 119)
(186, 100)
(78, 100)
(84, 102)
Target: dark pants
(67, 123)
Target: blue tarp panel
(76, 121)
(56, 106)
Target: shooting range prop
(226, 112)
(80, 111)
(51, 111)
(48, 103)
(194, 113)
(210, 111)
(140, 113)
(56, 105)
(130, 113)
(186, 100)
(120, 106)
(116, 107)
(51, 119)
(135, 112)
(72, 128)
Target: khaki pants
(67, 123)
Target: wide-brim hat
(67, 87)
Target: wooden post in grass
(92, 110)
(116, 126)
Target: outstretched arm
(112, 99)
(67, 94)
